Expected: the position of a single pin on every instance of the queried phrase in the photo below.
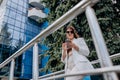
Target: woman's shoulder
(81, 38)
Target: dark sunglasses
(69, 31)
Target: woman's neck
(71, 39)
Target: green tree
(5, 35)
(18, 60)
(108, 17)
(5, 47)
(5, 41)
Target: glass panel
(25, 1)
(16, 35)
(23, 19)
(16, 28)
(22, 30)
(14, 1)
(18, 17)
(18, 24)
(35, 29)
(20, 8)
(5, 19)
(12, 14)
(24, 10)
(11, 21)
(22, 36)
(14, 42)
(11, 32)
(10, 26)
(7, 12)
(24, 5)
(14, 5)
(30, 28)
(20, 2)
(12, 9)
(19, 12)
(22, 25)
(9, 2)
(28, 38)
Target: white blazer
(80, 56)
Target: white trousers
(74, 70)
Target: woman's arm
(75, 47)
(82, 47)
(63, 55)
(64, 50)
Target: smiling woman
(74, 53)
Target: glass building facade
(16, 29)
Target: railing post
(99, 42)
(12, 65)
(35, 72)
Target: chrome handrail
(87, 72)
(62, 71)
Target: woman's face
(69, 33)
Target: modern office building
(19, 23)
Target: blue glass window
(20, 2)
(10, 26)
(16, 35)
(25, 5)
(14, 42)
(22, 30)
(14, 1)
(24, 10)
(13, 5)
(7, 12)
(5, 19)
(8, 3)
(22, 25)
(20, 8)
(11, 32)
(23, 19)
(18, 17)
(17, 28)
(18, 24)
(30, 28)
(22, 36)
(12, 14)
(11, 21)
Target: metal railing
(47, 76)
(112, 57)
(85, 72)
(84, 5)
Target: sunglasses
(70, 32)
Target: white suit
(77, 61)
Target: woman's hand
(74, 46)
(64, 46)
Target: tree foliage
(6, 49)
(5, 35)
(108, 18)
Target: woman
(74, 52)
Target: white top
(79, 57)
